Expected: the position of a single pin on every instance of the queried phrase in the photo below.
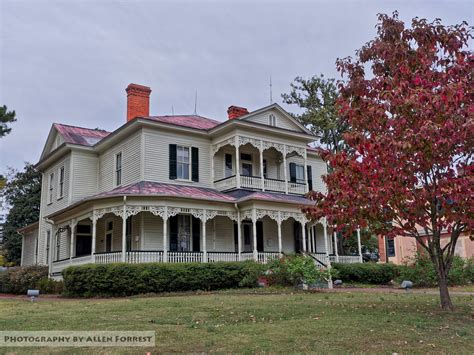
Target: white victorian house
(178, 189)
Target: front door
(298, 235)
(248, 236)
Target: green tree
(5, 118)
(317, 97)
(23, 193)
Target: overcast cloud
(70, 61)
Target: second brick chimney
(236, 112)
(138, 101)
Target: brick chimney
(138, 101)
(236, 112)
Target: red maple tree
(408, 100)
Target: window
(182, 162)
(118, 169)
(272, 120)
(246, 164)
(109, 235)
(50, 188)
(61, 183)
(48, 237)
(390, 247)
(58, 245)
(228, 165)
(300, 174)
(265, 168)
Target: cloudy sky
(70, 61)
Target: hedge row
(420, 271)
(18, 280)
(369, 273)
(130, 279)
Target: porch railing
(222, 256)
(226, 183)
(264, 258)
(250, 182)
(296, 188)
(255, 183)
(108, 257)
(185, 257)
(144, 256)
(344, 259)
(59, 265)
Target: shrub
(131, 279)
(422, 273)
(49, 286)
(370, 273)
(18, 280)
(294, 270)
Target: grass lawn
(249, 321)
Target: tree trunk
(446, 303)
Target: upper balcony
(241, 162)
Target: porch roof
(246, 195)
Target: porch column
(306, 171)
(72, 238)
(315, 250)
(165, 235)
(325, 230)
(204, 246)
(237, 162)
(280, 246)
(239, 236)
(254, 225)
(335, 247)
(285, 169)
(359, 246)
(124, 233)
(94, 236)
(261, 165)
(212, 167)
(310, 239)
(303, 232)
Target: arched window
(272, 120)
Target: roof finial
(195, 102)
(271, 98)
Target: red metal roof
(191, 121)
(80, 135)
(150, 188)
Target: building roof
(29, 228)
(80, 135)
(190, 121)
(149, 188)
(245, 195)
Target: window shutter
(310, 177)
(172, 161)
(260, 236)
(196, 234)
(173, 233)
(195, 164)
(292, 172)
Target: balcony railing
(255, 183)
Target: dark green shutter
(310, 177)
(196, 234)
(260, 236)
(173, 221)
(195, 164)
(292, 172)
(172, 153)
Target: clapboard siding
(131, 163)
(281, 121)
(156, 148)
(84, 175)
(29, 248)
(319, 169)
